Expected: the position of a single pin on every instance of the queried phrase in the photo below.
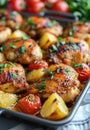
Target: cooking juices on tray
(43, 67)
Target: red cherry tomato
(60, 5)
(38, 65)
(83, 71)
(50, 1)
(18, 5)
(35, 7)
(29, 104)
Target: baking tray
(47, 122)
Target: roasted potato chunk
(35, 75)
(5, 32)
(54, 108)
(7, 100)
(17, 34)
(47, 39)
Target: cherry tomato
(83, 71)
(38, 65)
(50, 1)
(35, 7)
(29, 104)
(60, 5)
(18, 5)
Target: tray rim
(47, 122)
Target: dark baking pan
(78, 100)
(46, 122)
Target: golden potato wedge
(46, 40)
(35, 75)
(17, 34)
(7, 100)
(54, 108)
(2, 57)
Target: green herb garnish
(42, 86)
(43, 51)
(74, 47)
(14, 76)
(31, 22)
(50, 24)
(77, 65)
(31, 98)
(51, 73)
(53, 49)
(22, 50)
(67, 71)
(2, 48)
(58, 70)
(1, 70)
(25, 37)
(71, 31)
(12, 45)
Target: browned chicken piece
(5, 32)
(69, 51)
(12, 77)
(79, 30)
(61, 79)
(22, 51)
(39, 25)
(11, 19)
(54, 29)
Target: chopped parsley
(50, 24)
(14, 76)
(53, 49)
(42, 86)
(11, 63)
(43, 51)
(71, 31)
(1, 48)
(60, 38)
(1, 70)
(77, 65)
(31, 22)
(26, 37)
(12, 45)
(74, 47)
(22, 49)
(31, 98)
(2, 66)
(51, 73)
(58, 70)
(67, 71)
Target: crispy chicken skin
(78, 30)
(5, 32)
(61, 79)
(22, 51)
(12, 77)
(69, 51)
(39, 25)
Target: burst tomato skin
(84, 72)
(38, 65)
(29, 104)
